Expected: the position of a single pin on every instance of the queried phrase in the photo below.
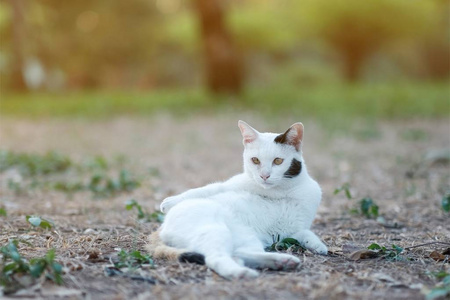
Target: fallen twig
(426, 244)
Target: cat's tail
(158, 249)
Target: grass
(367, 101)
(35, 171)
(14, 268)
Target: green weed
(97, 163)
(346, 189)
(34, 164)
(132, 260)
(68, 187)
(366, 206)
(39, 222)
(102, 185)
(414, 135)
(286, 244)
(392, 253)
(3, 212)
(445, 203)
(13, 266)
(144, 216)
(442, 289)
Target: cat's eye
(278, 161)
(255, 160)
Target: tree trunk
(17, 81)
(224, 69)
(352, 65)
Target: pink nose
(265, 177)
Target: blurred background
(142, 55)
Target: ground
(402, 165)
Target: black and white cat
(229, 224)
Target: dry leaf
(363, 254)
(437, 256)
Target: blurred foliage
(143, 215)
(333, 104)
(15, 269)
(33, 164)
(37, 221)
(132, 260)
(35, 171)
(357, 29)
(103, 186)
(147, 44)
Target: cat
(227, 225)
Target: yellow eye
(255, 161)
(278, 161)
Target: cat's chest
(268, 216)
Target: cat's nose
(264, 177)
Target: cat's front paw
(169, 202)
(311, 242)
(317, 247)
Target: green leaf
(39, 222)
(437, 293)
(130, 204)
(346, 188)
(374, 210)
(446, 203)
(133, 203)
(354, 211)
(37, 267)
(156, 216)
(374, 246)
(57, 267)
(46, 224)
(2, 212)
(397, 249)
(441, 274)
(50, 256)
(33, 220)
(9, 268)
(290, 241)
(368, 207)
(347, 194)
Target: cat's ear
(293, 136)
(248, 132)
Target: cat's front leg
(170, 202)
(310, 241)
(201, 192)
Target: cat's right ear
(248, 132)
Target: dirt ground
(399, 164)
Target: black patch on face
(294, 169)
(192, 257)
(282, 138)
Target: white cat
(227, 225)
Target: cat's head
(271, 159)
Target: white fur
(231, 222)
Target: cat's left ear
(248, 132)
(293, 136)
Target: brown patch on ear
(248, 133)
(293, 136)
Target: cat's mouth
(266, 185)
